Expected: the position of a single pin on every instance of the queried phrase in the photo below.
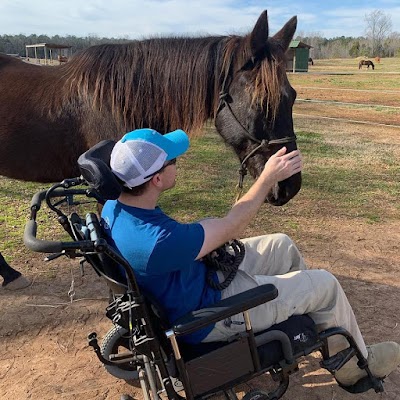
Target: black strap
(222, 259)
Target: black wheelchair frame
(152, 350)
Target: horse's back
(13, 69)
(6, 60)
(33, 137)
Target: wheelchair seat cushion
(301, 331)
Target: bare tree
(379, 26)
(315, 40)
(392, 45)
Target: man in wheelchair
(171, 260)
(190, 302)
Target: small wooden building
(297, 56)
(48, 53)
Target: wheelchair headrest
(94, 165)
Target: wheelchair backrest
(94, 165)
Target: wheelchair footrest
(365, 384)
(334, 363)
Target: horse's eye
(249, 64)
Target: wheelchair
(142, 345)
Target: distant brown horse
(368, 63)
(50, 115)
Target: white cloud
(140, 18)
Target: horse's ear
(285, 35)
(259, 35)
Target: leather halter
(261, 143)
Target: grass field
(350, 65)
(358, 179)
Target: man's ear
(156, 180)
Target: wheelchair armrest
(225, 308)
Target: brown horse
(50, 115)
(368, 63)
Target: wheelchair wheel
(257, 394)
(116, 342)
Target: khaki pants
(275, 259)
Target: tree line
(349, 47)
(379, 41)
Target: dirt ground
(44, 353)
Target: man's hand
(281, 166)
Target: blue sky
(143, 18)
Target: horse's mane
(167, 83)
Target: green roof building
(298, 55)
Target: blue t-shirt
(162, 253)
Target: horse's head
(255, 111)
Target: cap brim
(176, 144)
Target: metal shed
(297, 56)
(51, 52)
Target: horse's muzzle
(284, 191)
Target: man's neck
(146, 201)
